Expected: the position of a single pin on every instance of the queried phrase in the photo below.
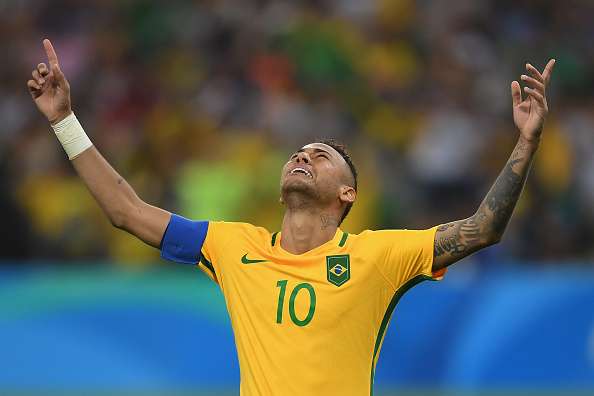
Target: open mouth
(301, 170)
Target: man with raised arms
(310, 297)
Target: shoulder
(392, 236)
(229, 229)
(371, 235)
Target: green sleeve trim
(273, 241)
(380, 334)
(345, 235)
(206, 263)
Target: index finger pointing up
(548, 70)
(51, 54)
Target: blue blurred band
(183, 240)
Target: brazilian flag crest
(338, 269)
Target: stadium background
(198, 104)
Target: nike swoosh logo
(246, 260)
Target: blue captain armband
(183, 240)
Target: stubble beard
(299, 195)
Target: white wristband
(72, 136)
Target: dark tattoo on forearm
(502, 198)
(461, 238)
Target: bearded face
(316, 173)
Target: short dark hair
(342, 150)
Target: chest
(309, 291)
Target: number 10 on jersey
(282, 285)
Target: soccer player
(309, 305)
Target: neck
(307, 228)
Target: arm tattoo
(501, 200)
(503, 196)
(456, 240)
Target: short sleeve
(224, 245)
(406, 255)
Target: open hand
(530, 113)
(49, 88)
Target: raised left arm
(458, 239)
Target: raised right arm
(118, 200)
(51, 92)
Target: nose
(302, 156)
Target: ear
(347, 194)
(280, 200)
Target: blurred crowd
(199, 103)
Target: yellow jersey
(313, 323)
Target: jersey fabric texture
(307, 324)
